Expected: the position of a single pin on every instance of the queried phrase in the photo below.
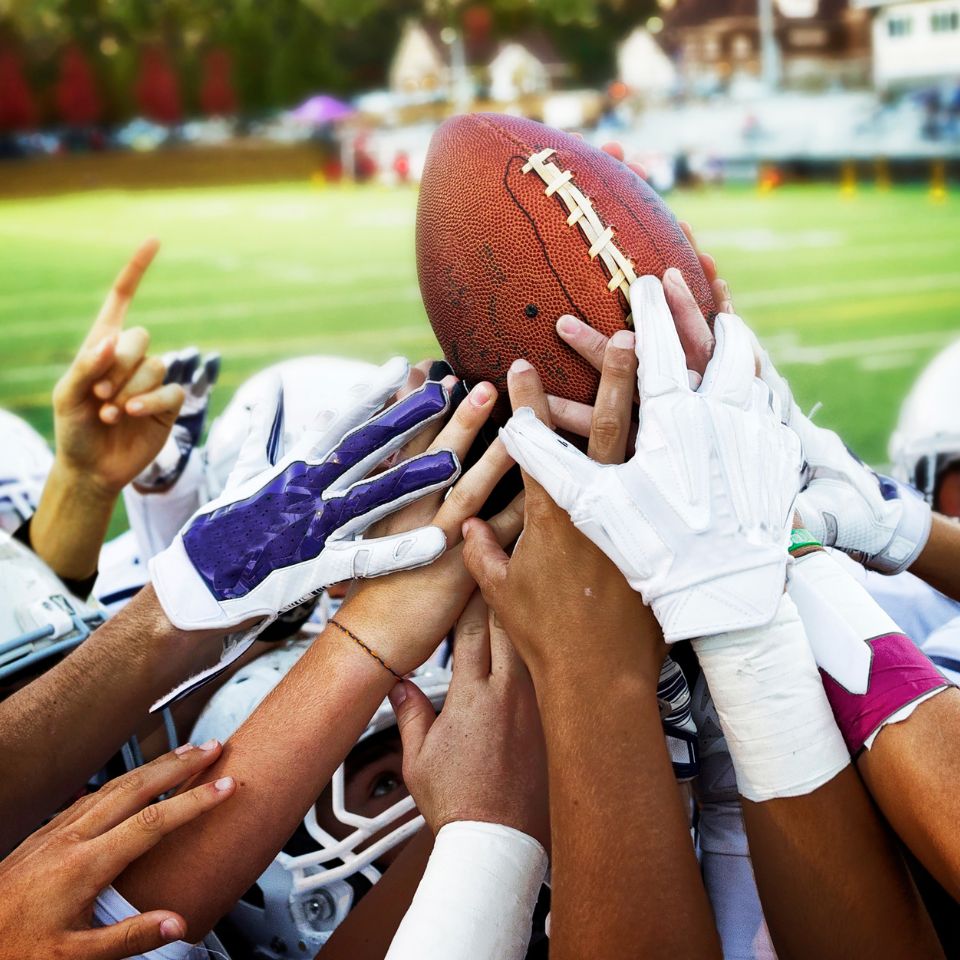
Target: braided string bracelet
(362, 645)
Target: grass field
(852, 295)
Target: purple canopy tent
(322, 109)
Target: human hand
(694, 332)
(880, 522)
(405, 616)
(50, 882)
(698, 519)
(112, 411)
(484, 757)
(561, 600)
(197, 377)
(289, 521)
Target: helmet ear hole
(946, 497)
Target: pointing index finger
(114, 309)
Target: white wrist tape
(476, 898)
(775, 716)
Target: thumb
(484, 558)
(89, 365)
(415, 717)
(131, 937)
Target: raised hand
(405, 616)
(112, 410)
(284, 527)
(49, 884)
(880, 522)
(483, 758)
(698, 519)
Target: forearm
(71, 522)
(829, 878)
(477, 896)
(912, 771)
(281, 758)
(62, 727)
(625, 878)
(370, 926)
(939, 561)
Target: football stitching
(582, 215)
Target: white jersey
(111, 907)
(122, 572)
(911, 603)
(943, 648)
(724, 853)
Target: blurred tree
(217, 96)
(18, 109)
(158, 93)
(280, 51)
(78, 102)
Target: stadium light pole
(769, 51)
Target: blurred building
(424, 63)
(643, 66)
(717, 42)
(914, 43)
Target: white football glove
(286, 526)
(698, 521)
(880, 522)
(197, 376)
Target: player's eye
(385, 784)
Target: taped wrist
(476, 898)
(896, 677)
(775, 716)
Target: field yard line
(789, 352)
(328, 277)
(818, 291)
(249, 348)
(785, 347)
(274, 308)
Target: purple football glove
(286, 526)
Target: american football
(518, 224)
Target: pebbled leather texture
(498, 263)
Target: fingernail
(102, 345)
(622, 340)
(183, 748)
(520, 366)
(465, 528)
(134, 406)
(171, 929)
(224, 783)
(103, 389)
(398, 694)
(673, 275)
(480, 395)
(209, 745)
(568, 325)
(109, 413)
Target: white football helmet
(39, 618)
(303, 895)
(927, 438)
(27, 459)
(306, 381)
